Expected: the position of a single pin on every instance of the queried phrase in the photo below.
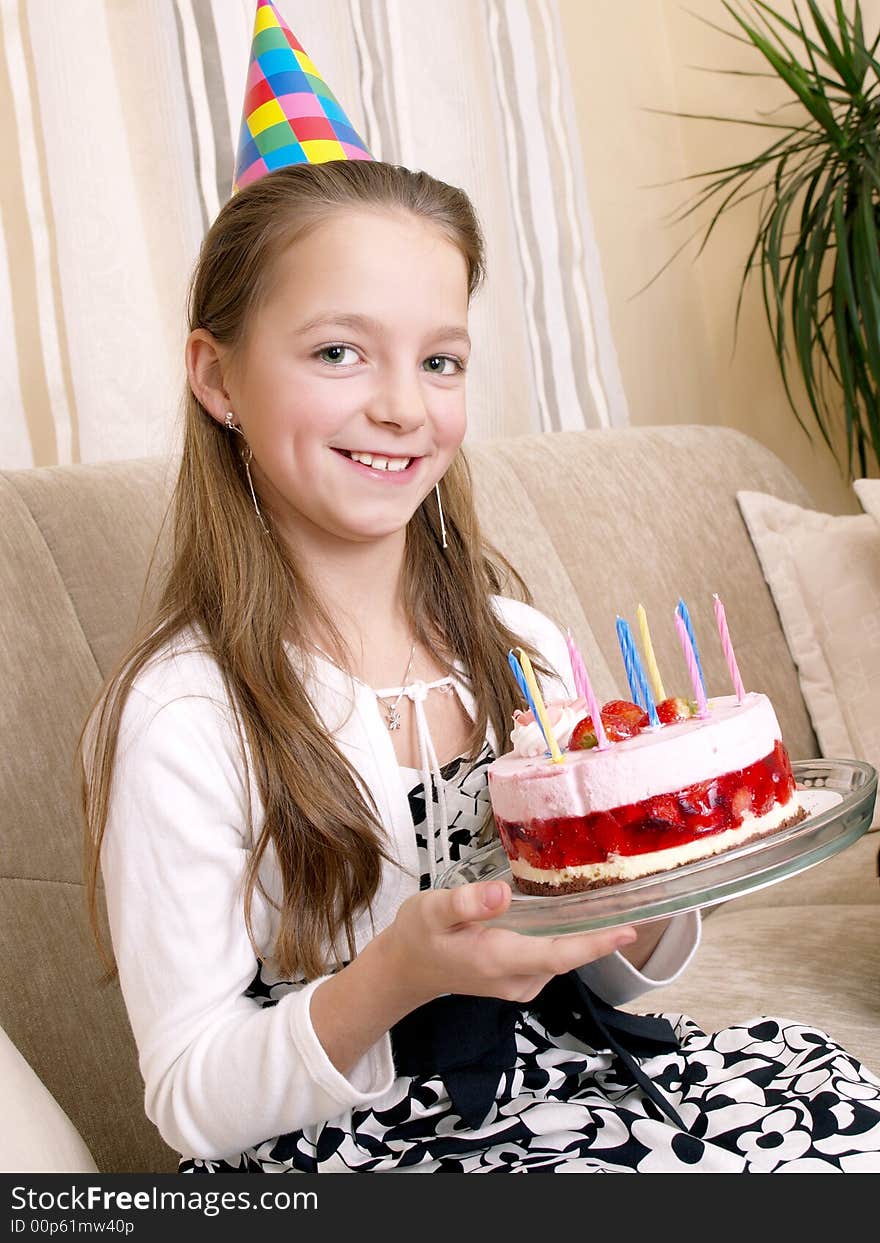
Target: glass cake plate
(839, 797)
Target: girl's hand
(438, 944)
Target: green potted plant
(816, 246)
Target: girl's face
(358, 352)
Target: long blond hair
(243, 593)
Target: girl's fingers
(468, 903)
(575, 951)
(503, 952)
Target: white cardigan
(222, 1073)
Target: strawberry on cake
(653, 800)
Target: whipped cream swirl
(562, 716)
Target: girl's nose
(399, 401)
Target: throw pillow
(36, 1137)
(824, 573)
(868, 492)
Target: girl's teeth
(381, 463)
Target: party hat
(290, 115)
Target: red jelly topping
(655, 823)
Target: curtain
(119, 120)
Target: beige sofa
(596, 522)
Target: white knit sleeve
(221, 1073)
(617, 981)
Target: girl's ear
(204, 368)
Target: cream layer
(629, 867)
(657, 761)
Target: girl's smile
(383, 468)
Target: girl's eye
(345, 355)
(442, 364)
(335, 355)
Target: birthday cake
(657, 786)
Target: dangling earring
(440, 511)
(246, 458)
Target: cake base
(654, 863)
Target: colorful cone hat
(290, 115)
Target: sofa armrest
(36, 1135)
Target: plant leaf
(791, 73)
(836, 55)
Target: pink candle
(721, 618)
(691, 662)
(584, 688)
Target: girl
(299, 742)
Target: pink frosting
(656, 761)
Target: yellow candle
(650, 659)
(532, 683)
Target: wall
(675, 341)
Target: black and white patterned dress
(765, 1096)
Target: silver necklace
(392, 713)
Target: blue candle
(523, 686)
(686, 618)
(628, 663)
(645, 699)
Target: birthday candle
(691, 662)
(539, 709)
(721, 618)
(650, 658)
(521, 683)
(584, 688)
(686, 618)
(646, 700)
(527, 689)
(628, 664)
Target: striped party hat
(290, 115)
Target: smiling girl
(298, 744)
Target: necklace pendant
(394, 719)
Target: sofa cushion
(806, 948)
(99, 524)
(817, 965)
(849, 877)
(72, 1029)
(601, 522)
(48, 676)
(824, 572)
(514, 524)
(73, 553)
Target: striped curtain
(118, 123)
